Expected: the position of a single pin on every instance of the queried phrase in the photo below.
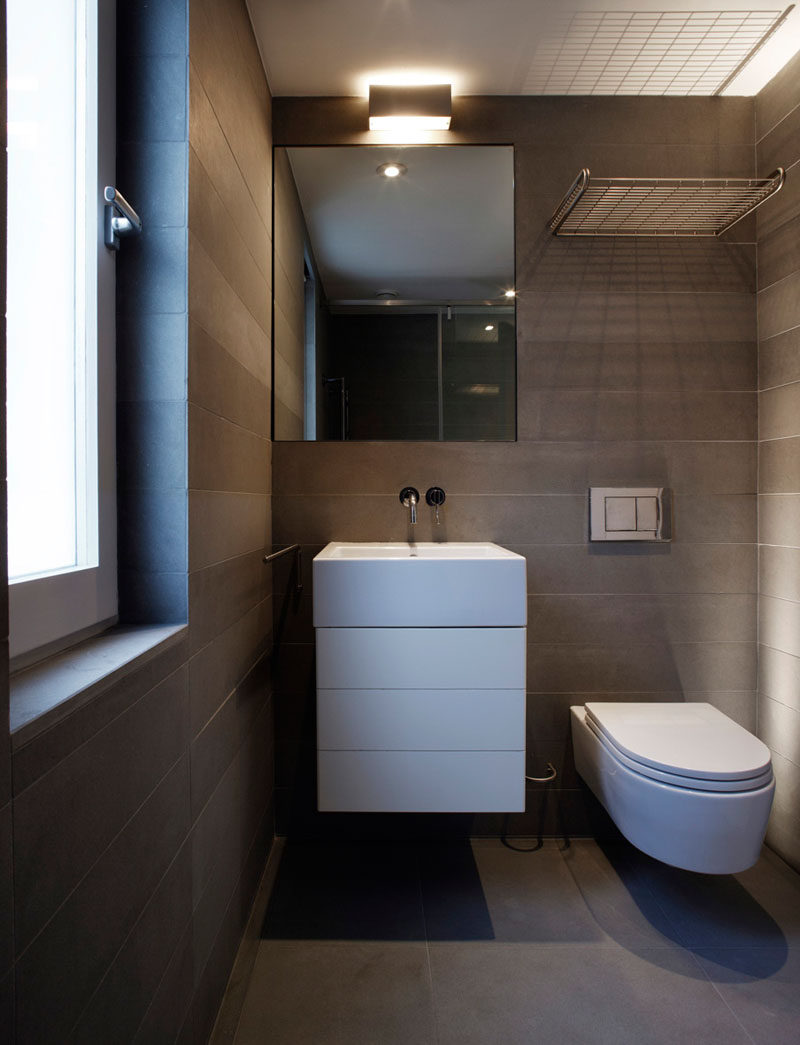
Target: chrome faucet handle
(409, 498)
(435, 497)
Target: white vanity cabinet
(420, 719)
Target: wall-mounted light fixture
(425, 107)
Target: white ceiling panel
(513, 47)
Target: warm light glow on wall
(407, 77)
(779, 49)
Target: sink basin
(397, 585)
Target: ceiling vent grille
(648, 52)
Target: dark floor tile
(493, 993)
(339, 994)
(509, 895)
(326, 891)
(762, 987)
(776, 886)
(616, 893)
(452, 894)
(757, 908)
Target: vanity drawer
(433, 658)
(421, 719)
(421, 781)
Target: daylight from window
(50, 373)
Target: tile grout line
(65, 900)
(721, 996)
(427, 948)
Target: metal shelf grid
(659, 206)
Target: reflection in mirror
(393, 295)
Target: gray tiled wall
(289, 303)
(778, 142)
(6, 865)
(636, 365)
(230, 603)
(143, 819)
(151, 316)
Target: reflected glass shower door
(478, 373)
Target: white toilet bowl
(683, 782)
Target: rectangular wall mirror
(393, 300)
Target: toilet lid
(688, 740)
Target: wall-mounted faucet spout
(409, 498)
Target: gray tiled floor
(477, 945)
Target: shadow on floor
(706, 912)
(589, 893)
(352, 891)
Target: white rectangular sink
(398, 585)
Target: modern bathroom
(402, 616)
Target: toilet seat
(696, 783)
(688, 745)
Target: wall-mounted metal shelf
(659, 206)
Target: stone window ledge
(45, 694)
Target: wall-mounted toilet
(683, 782)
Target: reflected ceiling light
(424, 107)
(391, 170)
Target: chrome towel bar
(298, 561)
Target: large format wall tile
(230, 202)
(617, 365)
(779, 96)
(779, 359)
(133, 978)
(512, 468)
(778, 141)
(69, 816)
(213, 151)
(79, 943)
(219, 383)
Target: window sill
(47, 693)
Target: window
(60, 314)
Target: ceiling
(514, 47)
(444, 231)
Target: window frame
(49, 613)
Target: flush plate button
(647, 513)
(629, 514)
(620, 514)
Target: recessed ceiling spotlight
(385, 294)
(489, 326)
(511, 293)
(391, 170)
